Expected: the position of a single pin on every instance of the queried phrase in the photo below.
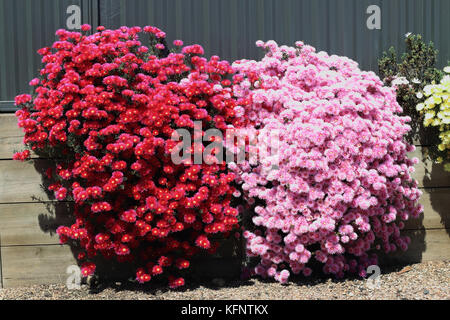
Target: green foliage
(411, 73)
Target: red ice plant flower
(105, 107)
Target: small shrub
(409, 75)
(342, 188)
(105, 107)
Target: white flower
(407, 34)
(415, 80)
(399, 81)
(419, 95)
(447, 69)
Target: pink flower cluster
(342, 186)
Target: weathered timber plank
(426, 245)
(33, 223)
(429, 174)
(436, 215)
(11, 136)
(11, 140)
(9, 128)
(31, 265)
(21, 181)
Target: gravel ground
(429, 280)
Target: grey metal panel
(228, 28)
(25, 27)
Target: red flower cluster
(106, 106)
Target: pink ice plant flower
(342, 186)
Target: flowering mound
(105, 107)
(341, 188)
(436, 111)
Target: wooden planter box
(30, 252)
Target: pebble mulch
(428, 280)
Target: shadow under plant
(224, 265)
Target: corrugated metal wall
(228, 28)
(25, 27)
